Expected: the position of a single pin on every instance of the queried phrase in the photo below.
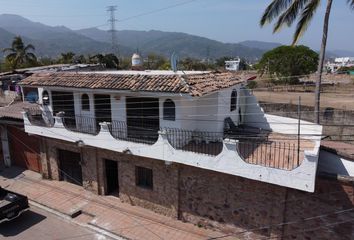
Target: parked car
(12, 205)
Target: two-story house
(179, 143)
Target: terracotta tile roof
(196, 84)
(15, 109)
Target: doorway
(70, 167)
(112, 177)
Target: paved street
(39, 224)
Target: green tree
(111, 61)
(155, 61)
(287, 12)
(67, 58)
(285, 63)
(20, 55)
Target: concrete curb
(67, 217)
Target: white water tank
(137, 62)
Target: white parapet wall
(228, 161)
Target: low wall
(337, 124)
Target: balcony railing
(41, 118)
(280, 155)
(121, 131)
(81, 124)
(208, 143)
(253, 147)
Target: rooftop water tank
(137, 62)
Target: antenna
(112, 20)
(174, 61)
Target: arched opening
(85, 102)
(45, 98)
(169, 110)
(233, 104)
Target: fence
(81, 124)
(280, 155)
(148, 134)
(195, 141)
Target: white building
(233, 65)
(199, 119)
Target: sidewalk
(103, 212)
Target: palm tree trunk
(321, 61)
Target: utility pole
(112, 20)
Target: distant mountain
(167, 42)
(342, 53)
(5, 39)
(50, 41)
(260, 45)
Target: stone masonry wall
(248, 209)
(241, 208)
(50, 162)
(337, 123)
(163, 198)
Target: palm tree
(287, 12)
(19, 53)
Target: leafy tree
(155, 61)
(111, 61)
(286, 63)
(287, 12)
(19, 54)
(67, 58)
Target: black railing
(40, 118)
(148, 133)
(208, 143)
(280, 155)
(81, 124)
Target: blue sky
(223, 20)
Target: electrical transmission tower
(112, 20)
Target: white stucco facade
(207, 114)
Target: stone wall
(248, 209)
(242, 208)
(163, 198)
(338, 123)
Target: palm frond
(305, 19)
(351, 3)
(273, 10)
(290, 15)
(8, 50)
(31, 57)
(30, 47)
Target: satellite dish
(174, 61)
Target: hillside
(50, 41)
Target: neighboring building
(17, 147)
(339, 63)
(182, 144)
(233, 65)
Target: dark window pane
(85, 102)
(143, 177)
(233, 100)
(169, 110)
